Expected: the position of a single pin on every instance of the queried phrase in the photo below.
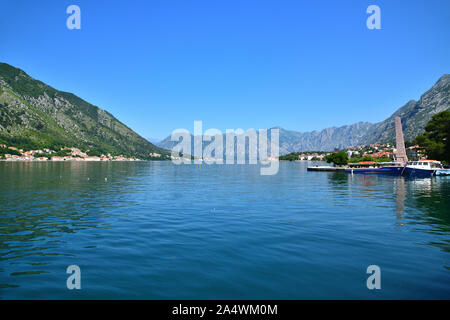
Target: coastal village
(375, 151)
(11, 153)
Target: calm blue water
(154, 230)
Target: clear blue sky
(302, 65)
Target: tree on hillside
(367, 157)
(290, 157)
(435, 139)
(338, 158)
(94, 153)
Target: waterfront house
(77, 152)
(382, 154)
(155, 155)
(416, 153)
(92, 159)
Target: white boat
(423, 167)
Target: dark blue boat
(423, 167)
(374, 167)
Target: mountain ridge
(414, 115)
(36, 114)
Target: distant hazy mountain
(36, 114)
(291, 141)
(414, 115)
(327, 139)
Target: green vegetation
(337, 158)
(436, 138)
(4, 151)
(61, 153)
(46, 155)
(61, 119)
(340, 158)
(295, 156)
(94, 153)
(290, 157)
(368, 158)
(19, 81)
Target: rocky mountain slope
(414, 115)
(37, 115)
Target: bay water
(155, 230)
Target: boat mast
(400, 143)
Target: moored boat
(423, 167)
(375, 167)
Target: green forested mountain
(35, 115)
(436, 138)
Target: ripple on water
(156, 230)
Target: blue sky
(302, 65)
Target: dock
(326, 168)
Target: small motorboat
(423, 167)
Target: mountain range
(414, 116)
(35, 115)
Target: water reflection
(423, 203)
(400, 191)
(338, 178)
(219, 231)
(42, 203)
(432, 196)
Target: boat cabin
(425, 164)
(362, 164)
(372, 164)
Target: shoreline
(73, 160)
